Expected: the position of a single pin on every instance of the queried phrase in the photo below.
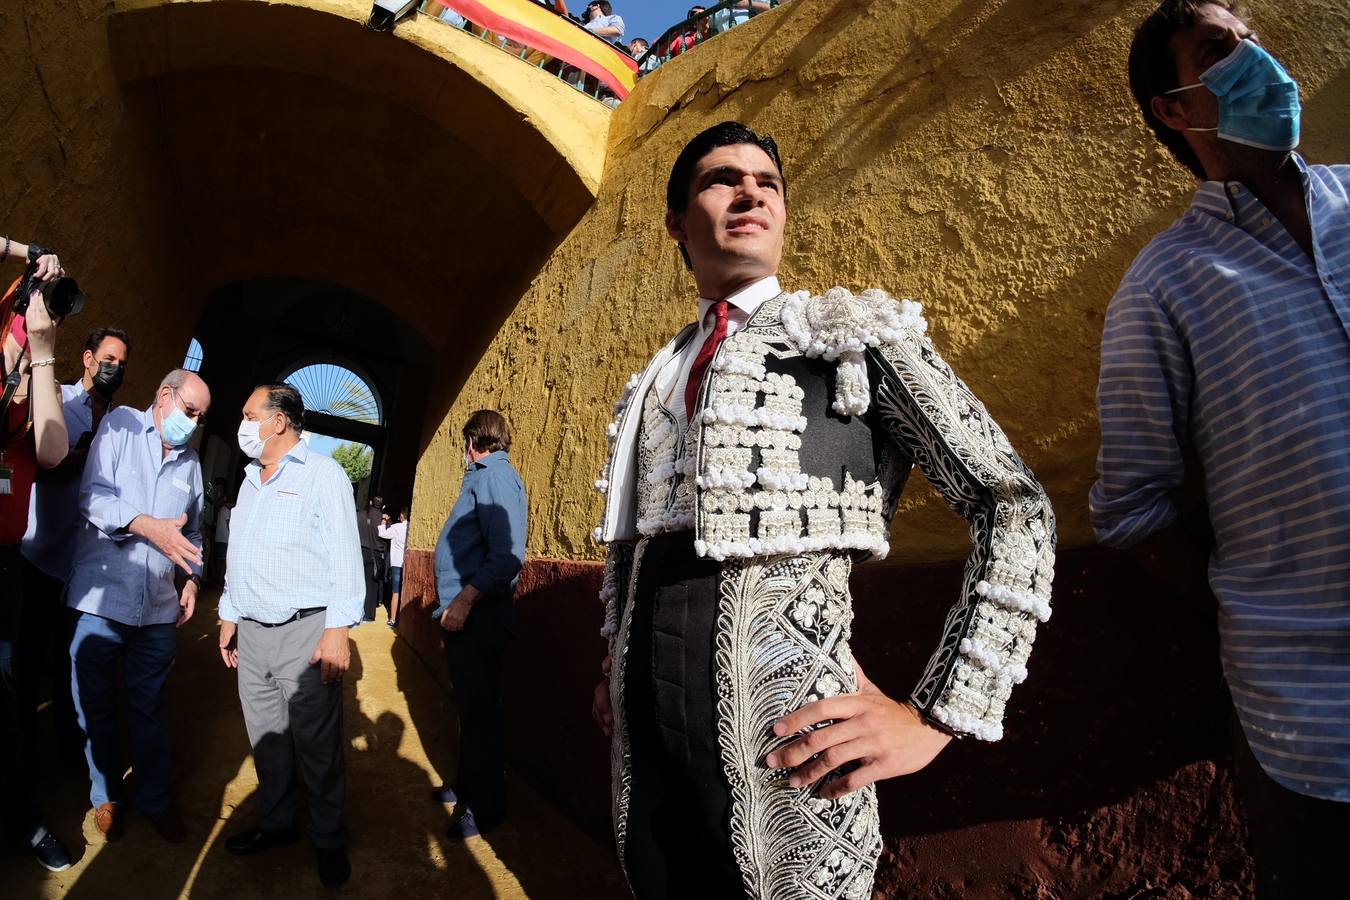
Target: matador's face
(733, 226)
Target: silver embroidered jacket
(807, 425)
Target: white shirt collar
(747, 299)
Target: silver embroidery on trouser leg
(782, 642)
(620, 749)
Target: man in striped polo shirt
(1229, 340)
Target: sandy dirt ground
(402, 735)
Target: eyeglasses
(192, 413)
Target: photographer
(32, 435)
(53, 522)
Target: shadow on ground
(396, 724)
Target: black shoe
(51, 853)
(469, 825)
(334, 870)
(255, 840)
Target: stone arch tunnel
(422, 170)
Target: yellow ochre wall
(984, 158)
(169, 147)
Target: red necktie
(705, 355)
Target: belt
(300, 614)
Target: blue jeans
(147, 655)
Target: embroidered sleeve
(614, 586)
(612, 436)
(988, 633)
(619, 559)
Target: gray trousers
(293, 718)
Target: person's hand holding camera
(49, 267)
(41, 329)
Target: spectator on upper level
(639, 46)
(696, 33)
(453, 18)
(738, 14)
(601, 21)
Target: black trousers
(1296, 840)
(474, 656)
(20, 819)
(46, 646)
(369, 561)
(677, 841)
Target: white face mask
(249, 442)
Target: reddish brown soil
(1112, 780)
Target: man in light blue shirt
(1228, 344)
(294, 585)
(601, 21)
(54, 521)
(141, 496)
(479, 556)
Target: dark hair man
(32, 438)
(756, 457)
(693, 35)
(374, 557)
(396, 534)
(601, 21)
(54, 521)
(479, 555)
(294, 591)
(1226, 342)
(141, 497)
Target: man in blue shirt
(141, 496)
(54, 520)
(478, 559)
(1227, 342)
(293, 589)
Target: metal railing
(679, 38)
(588, 85)
(700, 27)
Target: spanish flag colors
(534, 26)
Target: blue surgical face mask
(1258, 101)
(176, 427)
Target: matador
(755, 459)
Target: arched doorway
(363, 372)
(344, 419)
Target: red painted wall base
(1112, 780)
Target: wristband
(5, 254)
(49, 361)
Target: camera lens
(64, 297)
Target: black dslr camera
(62, 295)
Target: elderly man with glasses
(141, 497)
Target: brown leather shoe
(108, 820)
(169, 825)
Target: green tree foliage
(355, 402)
(355, 460)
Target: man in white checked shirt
(293, 588)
